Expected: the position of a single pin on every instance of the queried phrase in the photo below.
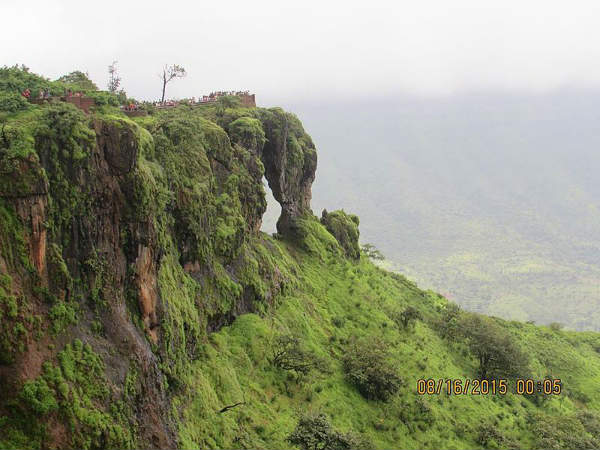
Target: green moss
(58, 272)
(230, 224)
(150, 192)
(62, 315)
(8, 302)
(344, 227)
(131, 388)
(182, 326)
(284, 130)
(248, 132)
(17, 142)
(37, 396)
(15, 310)
(97, 267)
(63, 142)
(315, 239)
(12, 238)
(74, 389)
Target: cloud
(313, 50)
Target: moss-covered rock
(290, 161)
(248, 132)
(119, 141)
(344, 227)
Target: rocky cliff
(122, 245)
(141, 306)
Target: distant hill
(492, 199)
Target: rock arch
(290, 160)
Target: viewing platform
(247, 100)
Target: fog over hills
(490, 198)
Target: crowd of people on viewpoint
(45, 94)
(212, 97)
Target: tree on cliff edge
(169, 73)
(114, 80)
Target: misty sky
(305, 50)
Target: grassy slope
(236, 368)
(465, 190)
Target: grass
(235, 367)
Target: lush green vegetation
(314, 432)
(343, 308)
(16, 79)
(71, 389)
(159, 305)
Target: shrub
(16, 79)
(498, 354)
(288, 354)
(370, 251)
(314, 432)
(407, 317)
(449, 324)
(106, 98)
(590, 421)
(62, 315)
(562, 432)
(228, 101)
(368, 368)
(489, 436)
(12, 102)
(556, 326)
(338, 321)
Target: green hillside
(341, 303)
(490, 198)
(142, 307)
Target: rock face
(127, 246)
(22, 183)
(119, 145)
(290, 161)
(148, 291)
(71, 203)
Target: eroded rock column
(290, 161)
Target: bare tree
(168, 74)
(114, 80)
